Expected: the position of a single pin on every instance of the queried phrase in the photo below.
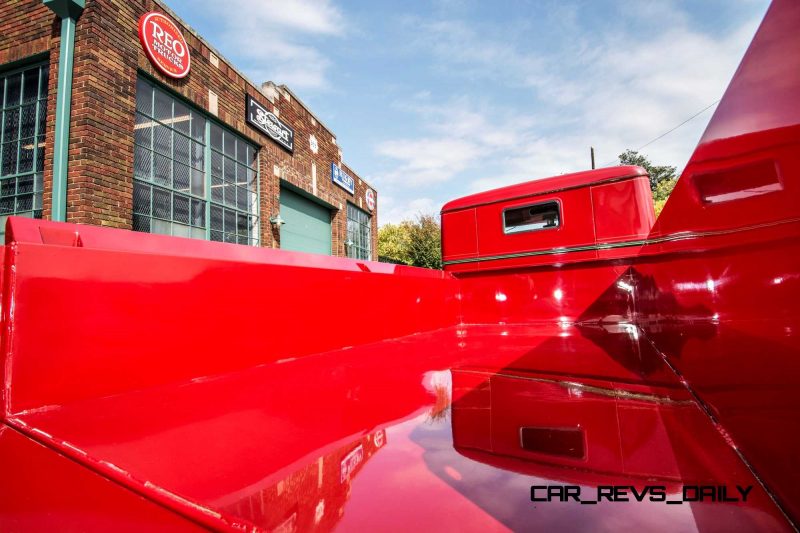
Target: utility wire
(645, 145)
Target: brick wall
(29, 31)
(108, 58)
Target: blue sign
(343, 179)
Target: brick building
(152, 152)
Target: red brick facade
(108, 59)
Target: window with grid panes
(359, 233)
(23, 111)
(234, 188)
(192, 177)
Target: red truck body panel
(162, 383)
(603, 213)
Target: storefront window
(234, 188)
(359, 233)
(192, 178)
(23, 110)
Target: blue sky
(436, 99)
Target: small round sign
(370, 197)
(164, 45)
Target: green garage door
(308, 224)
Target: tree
(662, 192)
(393, 243)
(657, 173)
(662, 178)
(426, 242)
(412, 242)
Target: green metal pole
(69, 11)
(63, 105)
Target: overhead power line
(648, 143)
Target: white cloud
(392, 212)
(610, 89)
(275, 41)
(426, 161)
(462, 134)
(464, 51)
(310, 16)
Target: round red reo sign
(370, 196)
(165, 46)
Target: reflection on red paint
(350, 462)
(142, 389)
(312, 497)
(453, 473)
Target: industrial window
(192, 177)
(23, 110)
(359, 233)
(531, 217)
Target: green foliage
(426, 242)
(658, 205)
(662, 192)
(393, 243)
(662, 178)
(412, 242)
(664, 189)
(657, 173)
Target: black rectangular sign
(260, 118)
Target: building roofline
(344, 164)
(212, 48)
(284, 87)
(258, 87)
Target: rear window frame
(558, 225)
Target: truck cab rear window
(531, 217)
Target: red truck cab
(576, 366)
(562, 219)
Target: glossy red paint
(42, 490)
(137, 372)
(138, 307)
(231, 449)
(741, 281)
(597, 209)
(713, 289)
(576, 180)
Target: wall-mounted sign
(370, 197)
(350, 462)
(164, 45)
(379, 438)
(343, 179)
(312, 142)
(269, 124)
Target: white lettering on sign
(263, 120)
(350, 462)
(164, 44)
(343, 179)
(379, 438)
(270, 121)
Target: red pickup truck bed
(148, 383)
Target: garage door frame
(293, 189)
